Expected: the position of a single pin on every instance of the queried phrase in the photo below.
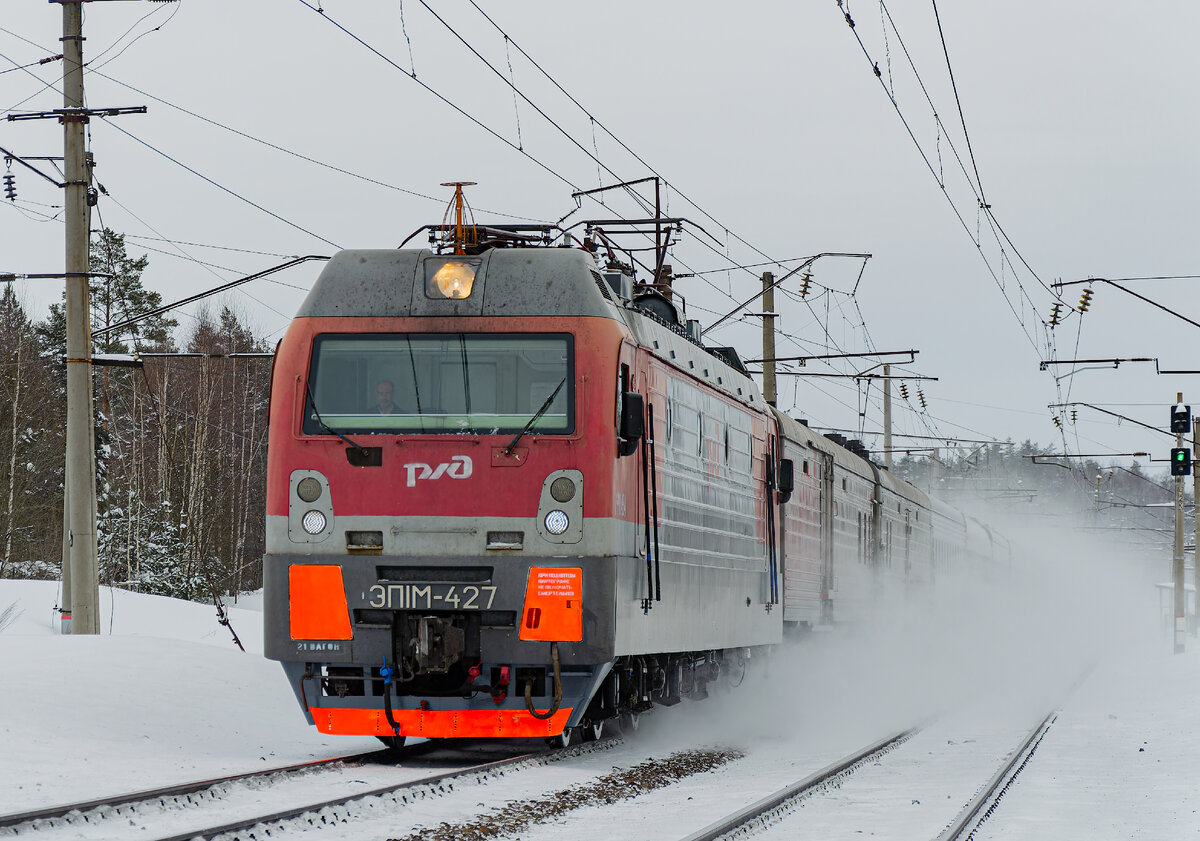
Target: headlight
(557, 522)
(453, 280)
(314, 522)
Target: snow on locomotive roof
(509, 282)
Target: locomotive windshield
(440, 383)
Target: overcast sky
(767, 121)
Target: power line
(621, 143)
(929, 165)
(222, 187)
(308, 159)
(962, 118)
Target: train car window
(805, 468)
(685, 428)
(843, 483)
(441, 383)
(739, 451)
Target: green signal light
(1180, 456)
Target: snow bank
(161, 696)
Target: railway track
(231, 807)
(981, 807)
(50, 813)
(765, 813)
(773, 806)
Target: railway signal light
(1181, 461)
(1055, 315)
(1085, 300)
(1181, 419)
(10, 186)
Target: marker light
(453, 280)
(562, 489)
(557, 522)
(313, 522)
(308, 489)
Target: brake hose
(387, 673)
(557, 689)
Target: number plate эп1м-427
(431, 596)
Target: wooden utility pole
(768, 324)
(80, 480)
(1177, 560)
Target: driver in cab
(383, 398)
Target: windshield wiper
(317, 417)
(508, 450)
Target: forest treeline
(180, 441)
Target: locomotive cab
(441, 493)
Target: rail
(782, 801)
(984, 804)
(52, 812)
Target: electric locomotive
(511, 493)
(471, 530)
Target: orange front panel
(553, 610)
(317, 600)
(438, 724)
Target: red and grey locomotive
(511, 493)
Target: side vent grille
(604, 290)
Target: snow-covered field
(163, 696)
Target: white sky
(1082, 118)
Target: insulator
(1085, 300)
(1055, 314)
(904, 390)
(805, 280)
(1074, 414)
(1057, 421)
(10, 186)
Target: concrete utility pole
(80, 479)
(887, 417)
(768, 317)
(1177, 565)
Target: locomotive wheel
(393, 742)
(562, 740)
(592, 732)
(629, 722)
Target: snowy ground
(163, 696)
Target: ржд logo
(459, 467)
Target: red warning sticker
(553, 610)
